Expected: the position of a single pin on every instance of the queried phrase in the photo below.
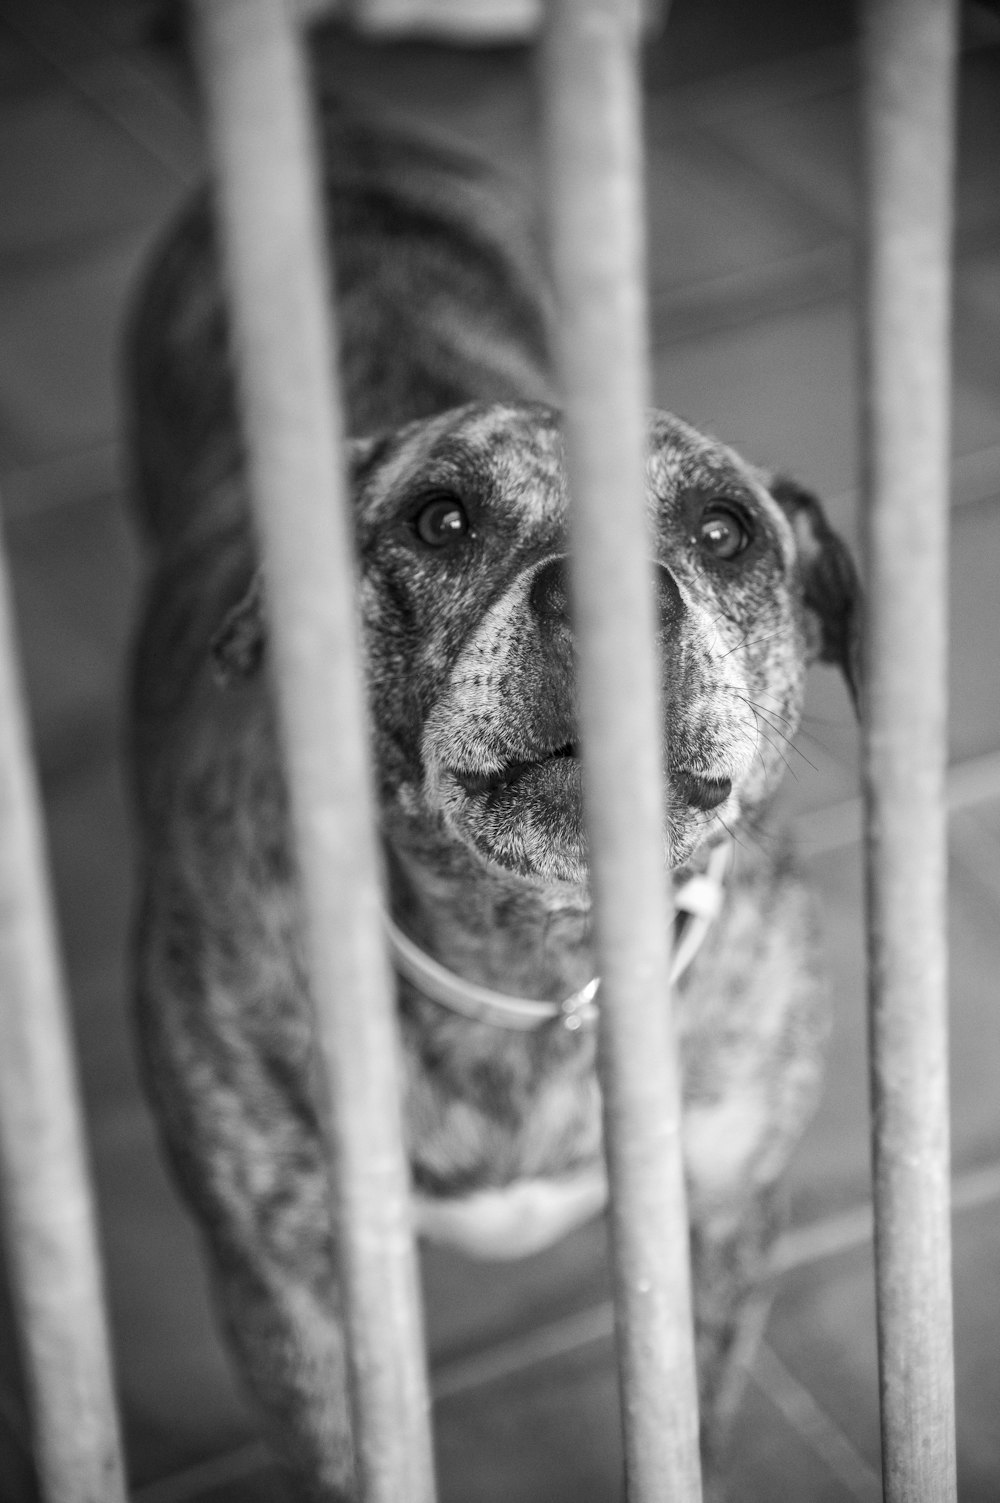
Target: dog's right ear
(238, 646)
(831, 590)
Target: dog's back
(439, 298)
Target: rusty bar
(48, 1208)
(595, 199)
(909, 105)
(259, 121)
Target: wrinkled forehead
(498, 452)
(514, 456)
(680, 459)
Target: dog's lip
(700, 790)
(477, 783)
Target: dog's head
(462, 533)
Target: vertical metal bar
(48, 1209)
(909, 65)
(254, 79)
(595, 197)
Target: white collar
(697, 901)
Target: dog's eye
(724, 532)
(441, 520)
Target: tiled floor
(753, 206)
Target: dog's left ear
(238, 646)
(831, 590)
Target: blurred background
(754, 225)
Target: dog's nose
(550, 592)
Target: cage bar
(596, 235)
(46, 1199)
(253, 76)
(909, 70)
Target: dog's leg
(290, 1348)
(731, 1299)
(239, 1124)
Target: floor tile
(701, 41)
(26, 489)
(779, 1452)
(67, 174)
(709, 217)
(91, 854)
(471, 1304)
(75, 572)
(226, 1481)
(59, 360)
(831, 1167)
(125, 67)
(779, 391)
(977, 1338)
(179, 1400)
(823, 1327)
(783, 392)
(548, 1436)
(811, 145)
(974, 707)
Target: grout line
(125, 93)
(188, 1484)
(595, 1324)
(814, 1426)
(682, 313)
(978, 851)
(822, 1239)
(837, 826)
(557, 1338)
(741, 92)
(974, 477)
(852, 1228)
(62, 480)
(808, 1244)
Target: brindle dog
(460, 493)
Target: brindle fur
(469, 661)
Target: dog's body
(461, 513)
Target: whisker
(775, 747)
(776, 713)
(748, 641)
(730, 832)
(762, 710)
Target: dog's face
(462, 531)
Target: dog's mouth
(693, 789)
(511, 773)
(526, 813)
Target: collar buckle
(698, 903)
(580, 1010)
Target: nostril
(701, 793)
(550, 592)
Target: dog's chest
(515, 1220)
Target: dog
(459, 483)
